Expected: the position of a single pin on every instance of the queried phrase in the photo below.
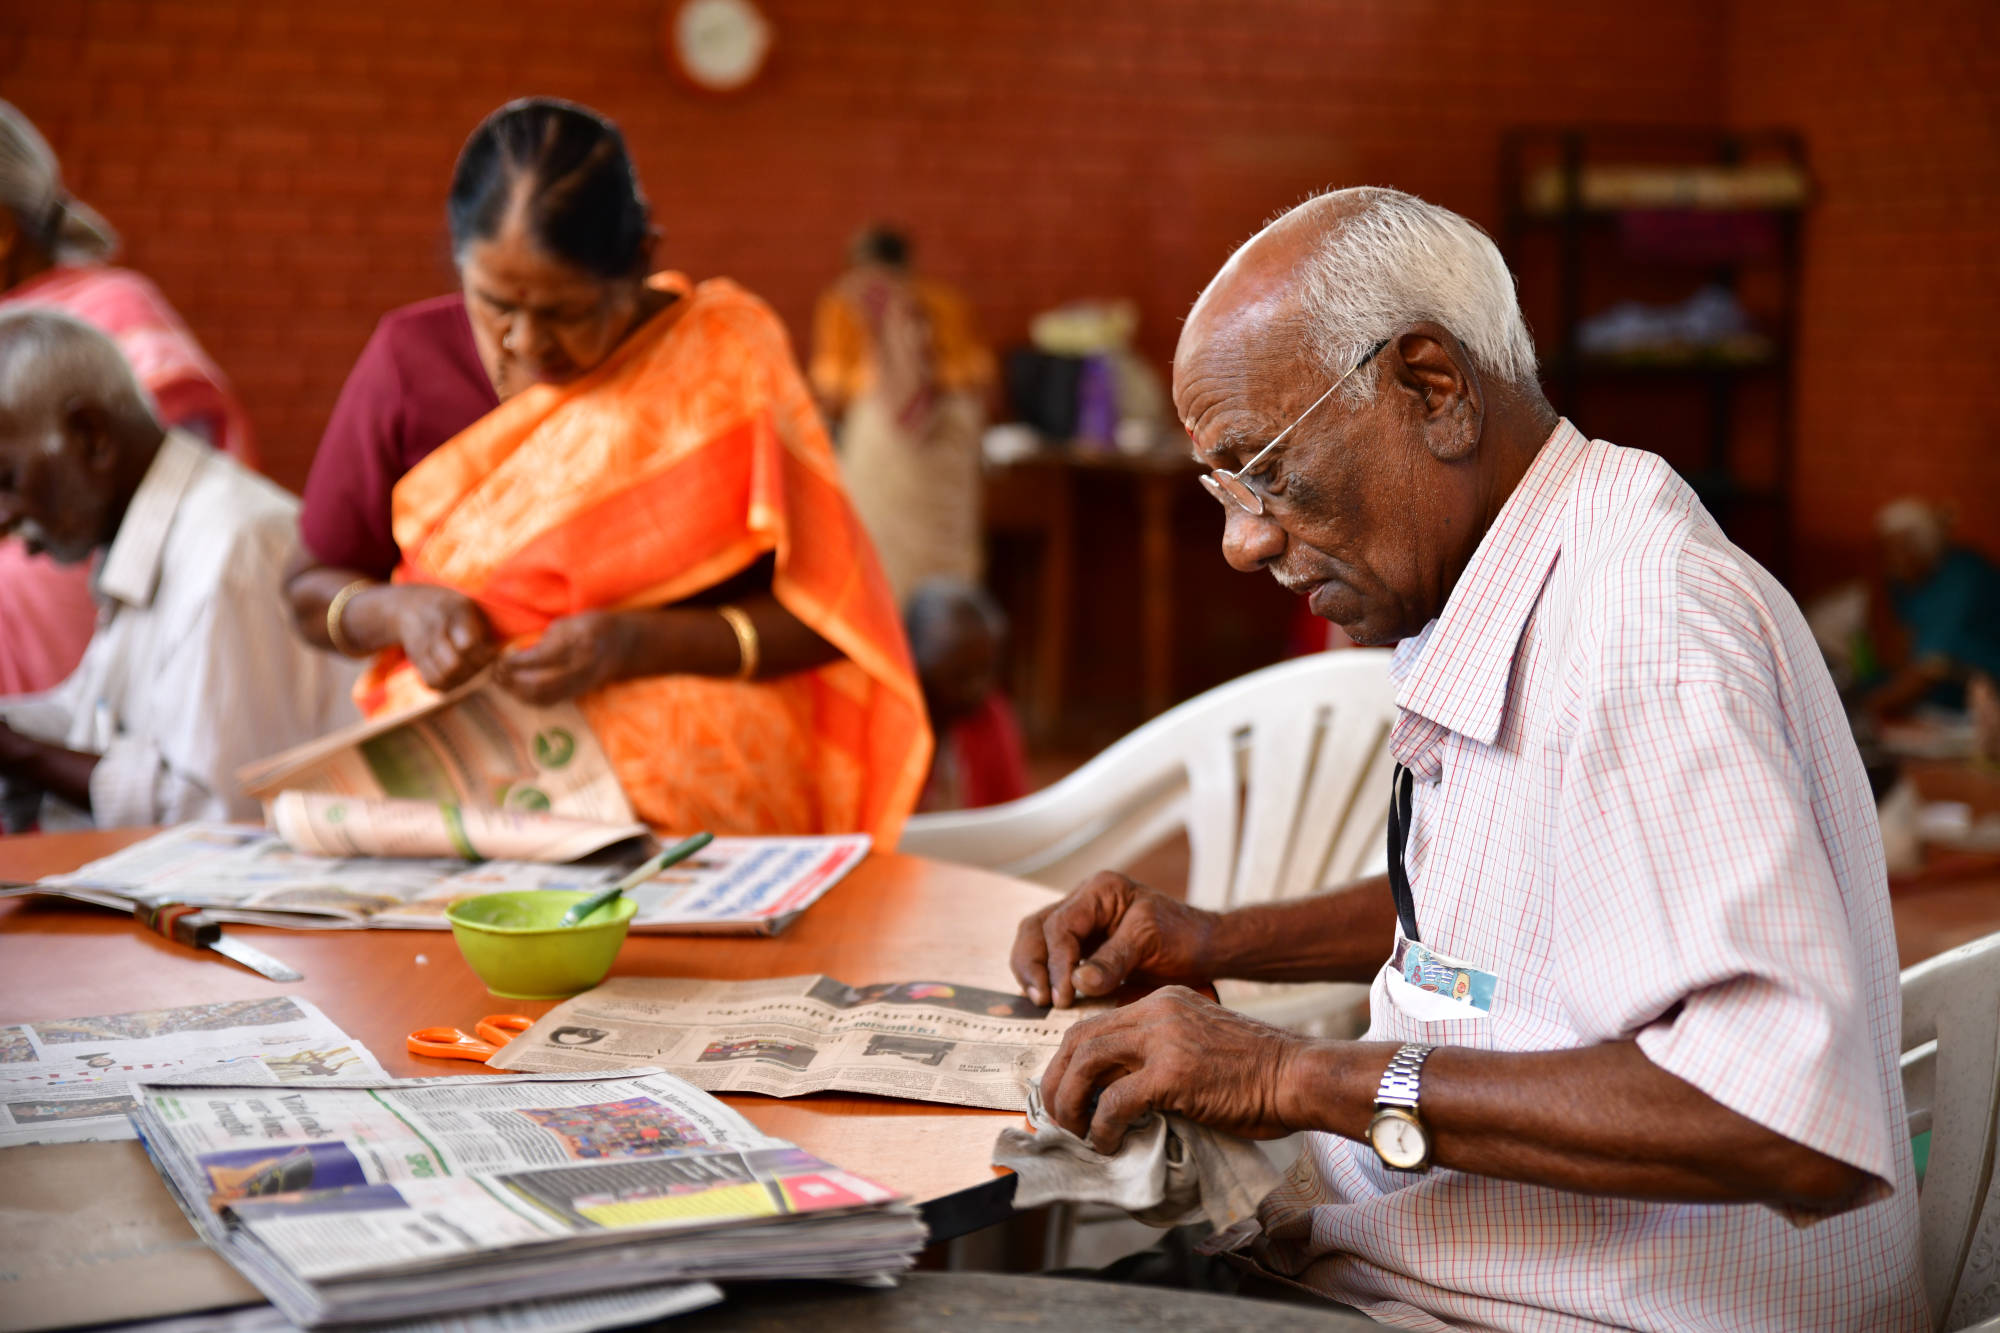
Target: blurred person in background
(1946, 600)
(898, 363)
(53, 252)
(611, 485)
(958, 635)
(193, 671)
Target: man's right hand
(1107, 932)
(443, 633)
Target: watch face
(1399, 1140)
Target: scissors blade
(253, 958)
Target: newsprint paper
(411, 1197)
(239, 872)
(69, 1080)
(926, 1041)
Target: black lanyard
(1400, 809)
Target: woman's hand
(574, 656)
(443, 633)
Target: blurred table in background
(1955, 897)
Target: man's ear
(88, 427)
(1433, 367)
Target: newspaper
(342, 826)
(927, 1041)
(72, 1079)
(242, 873)
(476, 747)
(414, 1197)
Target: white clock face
(721, 43)
(1400, 1143)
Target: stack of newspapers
(393, 1199)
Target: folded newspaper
(476, 748)
(70, 1080)
(475, 774)
(422, 1196)
(238, 872)
(928, 1041)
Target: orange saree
(691, 452)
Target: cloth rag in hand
(1168, 1172)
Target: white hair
(31, 188)
(49, 359)
(1386, 260)
(1922, 524)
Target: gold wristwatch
(1397, 1133)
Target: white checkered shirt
(1637, 802)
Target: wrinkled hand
(1174, 1051)
(1131, 931)
(574, 656)
(443, 633)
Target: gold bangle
(746, 639)
(337, 608)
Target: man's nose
(1250, 542)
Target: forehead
(509, 265)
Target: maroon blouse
(418, 383)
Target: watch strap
(1400, 1081)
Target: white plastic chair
(1951, 1082)
(1280, 779)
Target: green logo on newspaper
(531, 799)
(336, 814)
(554, 747)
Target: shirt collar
(131, 569)
(1464, 659)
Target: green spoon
(674, 855)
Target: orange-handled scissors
(495, 1031)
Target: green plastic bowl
(513, 942)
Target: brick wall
(1900, 325)
(280, 167)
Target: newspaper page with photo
(929, 1041)
(476, 747)
(72, 1080)
(242, 873)
(422, 1196)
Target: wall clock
(719, 46)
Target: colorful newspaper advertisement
(72, 1079)
(343, 826)
(242, 873)
(422, 1196)
(929, 1041)
(477, 747)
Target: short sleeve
(839, 351)
(345, 521)
(1700, 913)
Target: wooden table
(895, 918)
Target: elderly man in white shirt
(193, 670)
(1632, 1061)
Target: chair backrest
(1951, 1082)
(1280, 778)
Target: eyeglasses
(1230, 487)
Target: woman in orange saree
(652, 525)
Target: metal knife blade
(253, 958)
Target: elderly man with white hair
(1633, 1054)
(193, 670)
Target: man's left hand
(1174, 1051)
(574, 656)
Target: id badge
(1432, 987)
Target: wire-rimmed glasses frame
(1230, 487)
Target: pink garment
(1637, 803)
(46, 612)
